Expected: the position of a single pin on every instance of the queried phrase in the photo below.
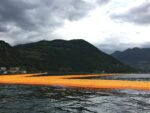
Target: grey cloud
(102, 2)
(31, 14)
(3, 29)
(14, 11)
(121, 46)
(27, 17)
(138, 15)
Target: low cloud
(110, 48)
(112, 44)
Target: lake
(46, 99)
(131, 77)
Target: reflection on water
(42, 99)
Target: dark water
(132, 77)
(42, 99)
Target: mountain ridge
(61, 56)
(138, 58)
(8, 55)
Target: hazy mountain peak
(136, 57)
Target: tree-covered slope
(76, 56)
(8, 55)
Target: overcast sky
(109, 24)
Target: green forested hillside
(60, 56)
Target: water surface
(131, 77)
(43, 99)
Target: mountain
(60, 56)
(138, 58)
(8, 55)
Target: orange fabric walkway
(69, 81)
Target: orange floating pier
(70, 81)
